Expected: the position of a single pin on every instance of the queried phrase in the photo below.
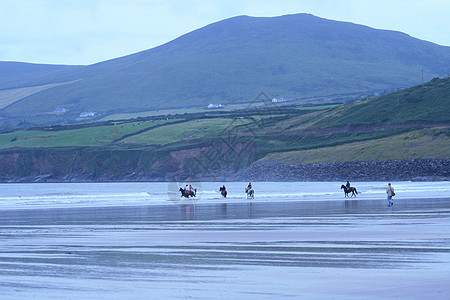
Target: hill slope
(220, 143)
(293, 56)
(428, 103)
(19, 75)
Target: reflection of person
(390, 193)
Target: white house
(87, 114)
(216, 106)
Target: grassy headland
(408, 124)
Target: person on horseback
(223, 191)
(347, 185)
(348, 190)
(249, 190)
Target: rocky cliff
(94, 164)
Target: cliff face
(205, 163)
(101, 164)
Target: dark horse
(187, 193)
(349, 190)
(223, 191)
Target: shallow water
(65, 195)
(294, 240)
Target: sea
(71, 195)
(293, 240)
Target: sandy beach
(332, 248)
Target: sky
(90, 31)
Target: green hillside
(412, 123)
(19, 75)
(300, 57)
(427, 103)
(419, 144)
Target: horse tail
(356, 191)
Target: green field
(420, 144)
(412, 123)
(87, 136)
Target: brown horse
(223, 191)
(187, 193)
(349, 190)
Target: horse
(223, 191)
(250, 192)
(187, 193)
(349, 190)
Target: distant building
(276, 100)
(87, 114)
(216, 106)
(59, 110)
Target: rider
(347, 185)
(249, 187)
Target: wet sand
(349, 249)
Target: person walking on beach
(390, 193)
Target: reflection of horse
(349, 190)
(250, 192)
(223, 191)
(187, 193)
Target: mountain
(232, 61)
(18, 74)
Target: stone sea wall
(391, 170)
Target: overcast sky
(90, 31)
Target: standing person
(390, 193)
